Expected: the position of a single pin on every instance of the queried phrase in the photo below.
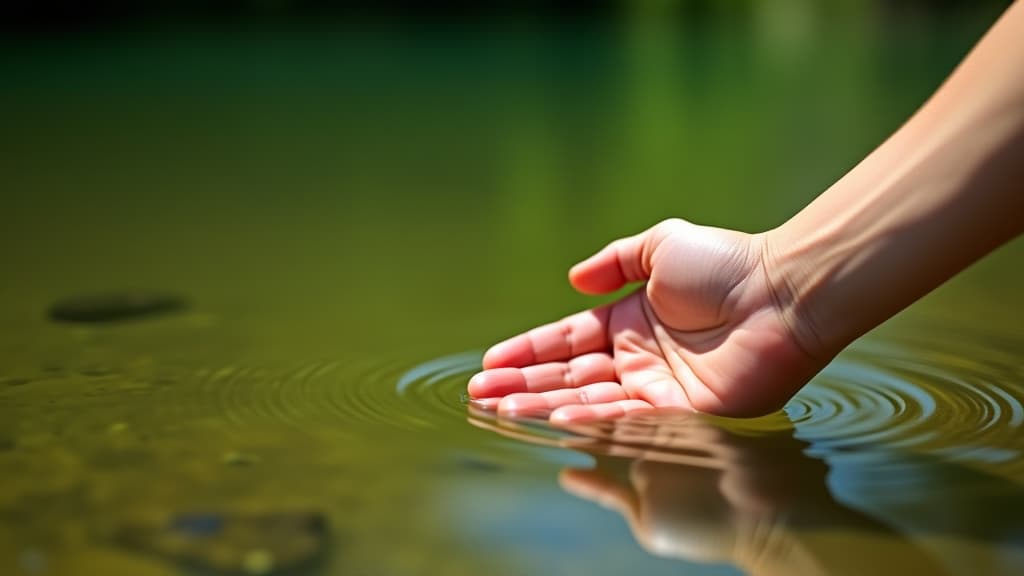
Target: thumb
(624, 260)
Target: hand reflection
(692, 488)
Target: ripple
(929, 393)
(924, 397)
(941, 393)
(438, 387)
(334, 396)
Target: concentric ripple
(340, 396)
(438, 387)
(930, 394)
(938, 394)
(919, 396)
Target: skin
(734, 324)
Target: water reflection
(903, 456)
(694, 490)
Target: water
(906, 450)
(885, 463)
(346, 215)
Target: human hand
(705, 334)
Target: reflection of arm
(768, 511)
(942, 192)
(680, 511)
(702, 493)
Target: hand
(705, 334)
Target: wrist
(795, 273)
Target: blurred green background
(336, 176)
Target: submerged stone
(96, 370)
(240, 459)
(33, 561)
(267, 543)
(114, 307)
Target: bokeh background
(404, 174)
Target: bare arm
(942, 192)
(734, 324)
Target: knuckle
(567, 331)
(670, 224)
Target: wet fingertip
(488, 404)
(477, 386)
(496, 382)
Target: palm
(722, 369)
(703, 335)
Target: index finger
(581, 333)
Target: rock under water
(114, 307)
(273, 542)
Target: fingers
(582, 370)
(536, 404)
(571, 336)
(623, 261)
(576, 413)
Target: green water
(354, 211)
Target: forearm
(942, 192)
